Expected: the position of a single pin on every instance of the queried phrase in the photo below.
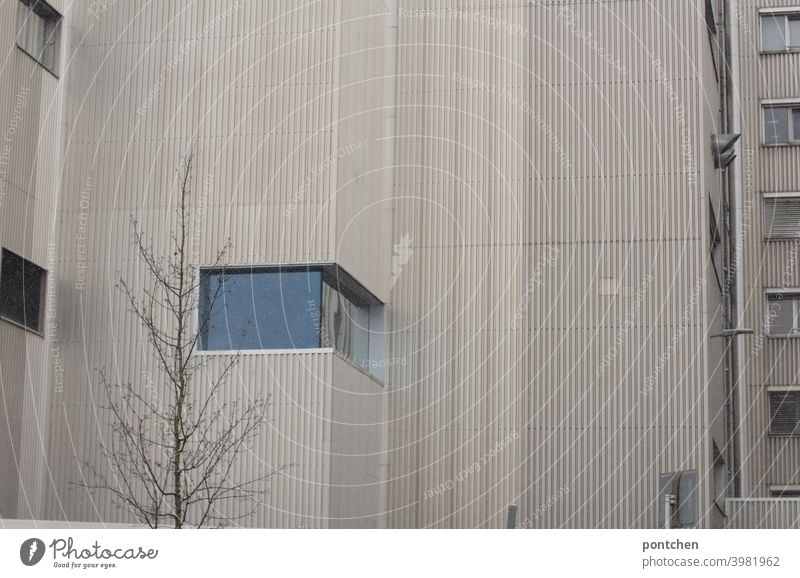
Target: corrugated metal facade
(556, 310)
(525, 184)
(770, 265)
(262, 91)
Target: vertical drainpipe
(739, 245)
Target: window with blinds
(782, 217)
(783, 310)
(784, 412)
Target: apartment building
(769, 175)
(486, 251)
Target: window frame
(782, 489)
(781, 390)
(793, 107)
(793, 292)
(331, 273)
(777, 195)
(272, 268)
(48, 14)
(787, 13)
(39, 329)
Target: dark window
(784, 493)
(784, 412)
(717, 255)
(39, 32)
(21, 291)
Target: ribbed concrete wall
(774, 264)
(258, 89)
(554, 313)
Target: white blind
(782, 217)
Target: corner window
(782, 123)
(780, 30)
(287, 308)
(21, 291)
(784, 412)
(345, 323)
(39, 32)
(781, 216)
(784, 313)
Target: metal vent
(784, 412)
(782, 217)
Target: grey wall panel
(252, 87)
(763, 514)
(506, 321)
(358, 458)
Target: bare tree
(172, 453)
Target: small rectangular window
(780, 31)
(784, 492)
(784, 412)
(782, 216)
(39, 32)
(21, 291)
(784, 314)
(781, 124)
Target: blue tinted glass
(261, 309)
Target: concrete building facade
(520, 208)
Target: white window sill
(792, 50)
(265, 352)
